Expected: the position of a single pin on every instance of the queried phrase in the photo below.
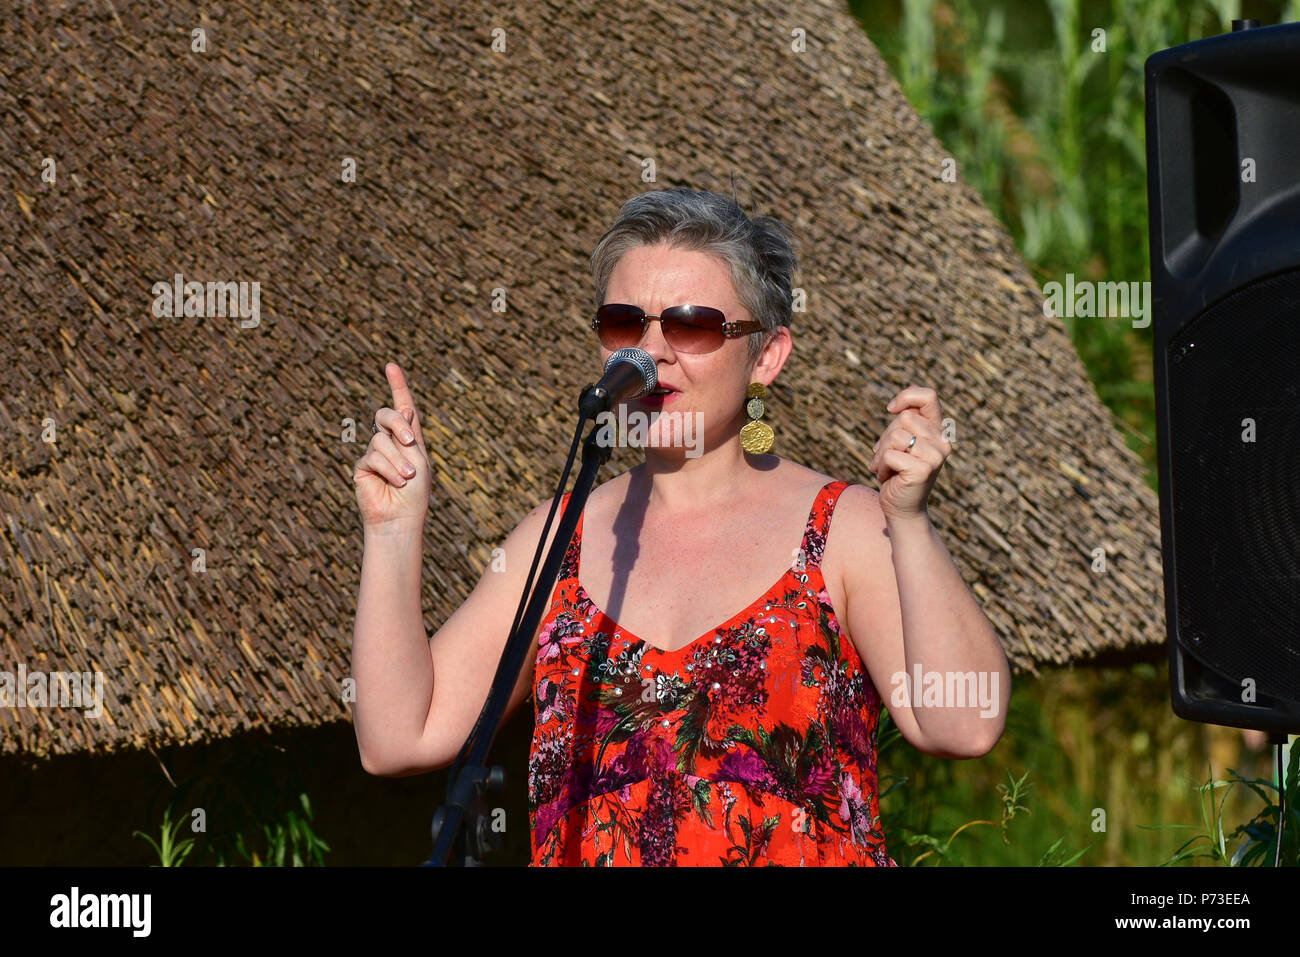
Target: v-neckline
(634, 638)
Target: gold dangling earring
(756, 436)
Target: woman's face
(710, 388)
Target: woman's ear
(771, 357)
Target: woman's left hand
(907, 475)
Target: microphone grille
(645, 364)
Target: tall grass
(287, 840)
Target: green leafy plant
(290, 841)
(1011, 806)
(170, 851)
(942, 849)
(1260, 844)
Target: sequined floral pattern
(755, 745)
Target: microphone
(629, 374)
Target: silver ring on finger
(374, 428)
(912, 443)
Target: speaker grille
(1236, 516)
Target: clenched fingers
(385, 459)
(395, 425)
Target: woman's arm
(418, 698)
(391, 661)
(909, 612)
(944, 631)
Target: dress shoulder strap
(569, 566)
(819, 522)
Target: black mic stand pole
(474, 789)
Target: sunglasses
(691, 329)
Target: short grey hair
(758, 252)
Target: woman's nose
(653, 341)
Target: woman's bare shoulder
(796, 480)
(857, 532)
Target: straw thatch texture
(476, 170)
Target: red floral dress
(753, 745)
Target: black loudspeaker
(1223, 193)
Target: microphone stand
(474, 788)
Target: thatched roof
(475, 170)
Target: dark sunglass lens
(619, 326)
(693, 328)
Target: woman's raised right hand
(392, 479)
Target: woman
(665, 731)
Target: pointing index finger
(403, 401)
